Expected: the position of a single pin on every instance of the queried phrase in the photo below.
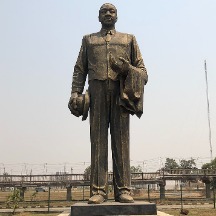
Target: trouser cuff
(98, 190)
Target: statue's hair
(108, 4)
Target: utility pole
(208, 109)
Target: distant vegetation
(183, 164)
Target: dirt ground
(192, 212)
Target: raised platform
(114, 208)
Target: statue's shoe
(124, 198)
(96, 199)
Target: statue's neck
(108, 27)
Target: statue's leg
(98, 134)
(119, 126)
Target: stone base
(114, 208)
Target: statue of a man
(116, 78)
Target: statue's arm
(79, 78)
(137, 60)
(80, 69)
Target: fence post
(148, 193)
(83, 192)
(214, 195)
(69, 197)
(207, 182)
(162, 185)
(23, 189)
(49, 200)
(181, 184)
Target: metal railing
(83, 179)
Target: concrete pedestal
(114, 208)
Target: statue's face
(108, 15)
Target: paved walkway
(159, 213)
(65, 211)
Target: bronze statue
(116, 78)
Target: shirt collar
(104, 31)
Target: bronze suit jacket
(93, 60)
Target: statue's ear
(116, 19)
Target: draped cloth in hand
(132, 90)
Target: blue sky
(39, 44)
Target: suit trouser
(105, 112)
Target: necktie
(108, 36)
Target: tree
(211, 165)
(14, 199)
(134, 170)
(188, 164)
(170, 164)
(137, 169)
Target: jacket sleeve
(137, 60)
(80, 69)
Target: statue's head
(108, 15)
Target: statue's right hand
(119, 67)
(72, 105)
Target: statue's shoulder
(125, 35)
(88, 36)
(122, 33)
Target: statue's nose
(108, 12)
